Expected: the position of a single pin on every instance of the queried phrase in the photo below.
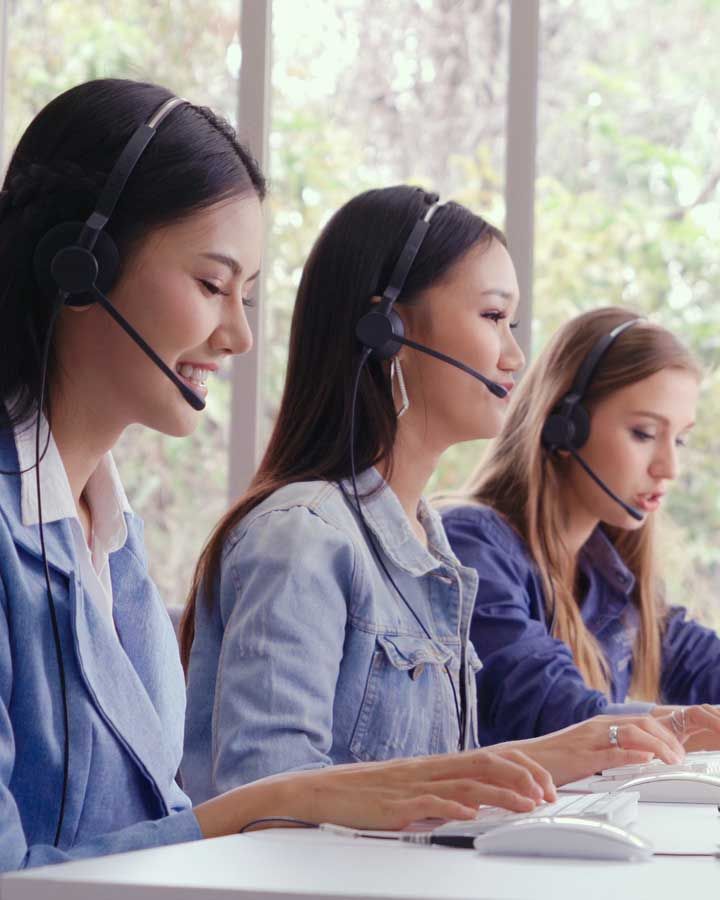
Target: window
(366, 94)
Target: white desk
(283, 864)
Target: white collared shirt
(105, 497)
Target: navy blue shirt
(529, 684)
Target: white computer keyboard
(704, 762)
(616, 809)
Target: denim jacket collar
(389, 524)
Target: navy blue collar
(599, 557)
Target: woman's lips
(649, 502)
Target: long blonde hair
(524, 482)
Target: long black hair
(56, 175)
(350, 263)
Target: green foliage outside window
(367, 93)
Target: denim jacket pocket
(406, 708)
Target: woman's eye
(249, 302)
(211, 287)
(514, 325)
(494, 316)
(681, 442)
(641, 435)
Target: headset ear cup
(398, 330)
(569, 430)
(65, 235)
(580, 427)
(556, 432)
(376, 330)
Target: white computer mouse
(566, 836)
(675, 787)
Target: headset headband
(587, 369)
(407, 258)
(121, 171)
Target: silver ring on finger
(678, 720)
(613, 736)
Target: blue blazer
(126, 699)
(529, 684)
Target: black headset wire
(375, 549)
(43, 367)
(39, 457)
(51, 599)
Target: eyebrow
(231, 263)
(658, 418)
(499, 292)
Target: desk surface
(283, 864)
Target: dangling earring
(396, 369)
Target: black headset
(77, 263)
(381, 330)
(568, 425)
(76, 257)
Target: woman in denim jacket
(324, 637)
(569, 618)
(91, 690)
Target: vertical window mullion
(254, 89)
(4, 27)
(520, 153)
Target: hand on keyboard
(696, 726)
(584, 749)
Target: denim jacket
(125, 697)
(529, 684)
(310, 657)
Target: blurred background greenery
(374, 92)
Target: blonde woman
(569, 618)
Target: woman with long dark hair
(165, 244)
(329, 622)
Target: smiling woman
(195, 320)
(570, 618)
